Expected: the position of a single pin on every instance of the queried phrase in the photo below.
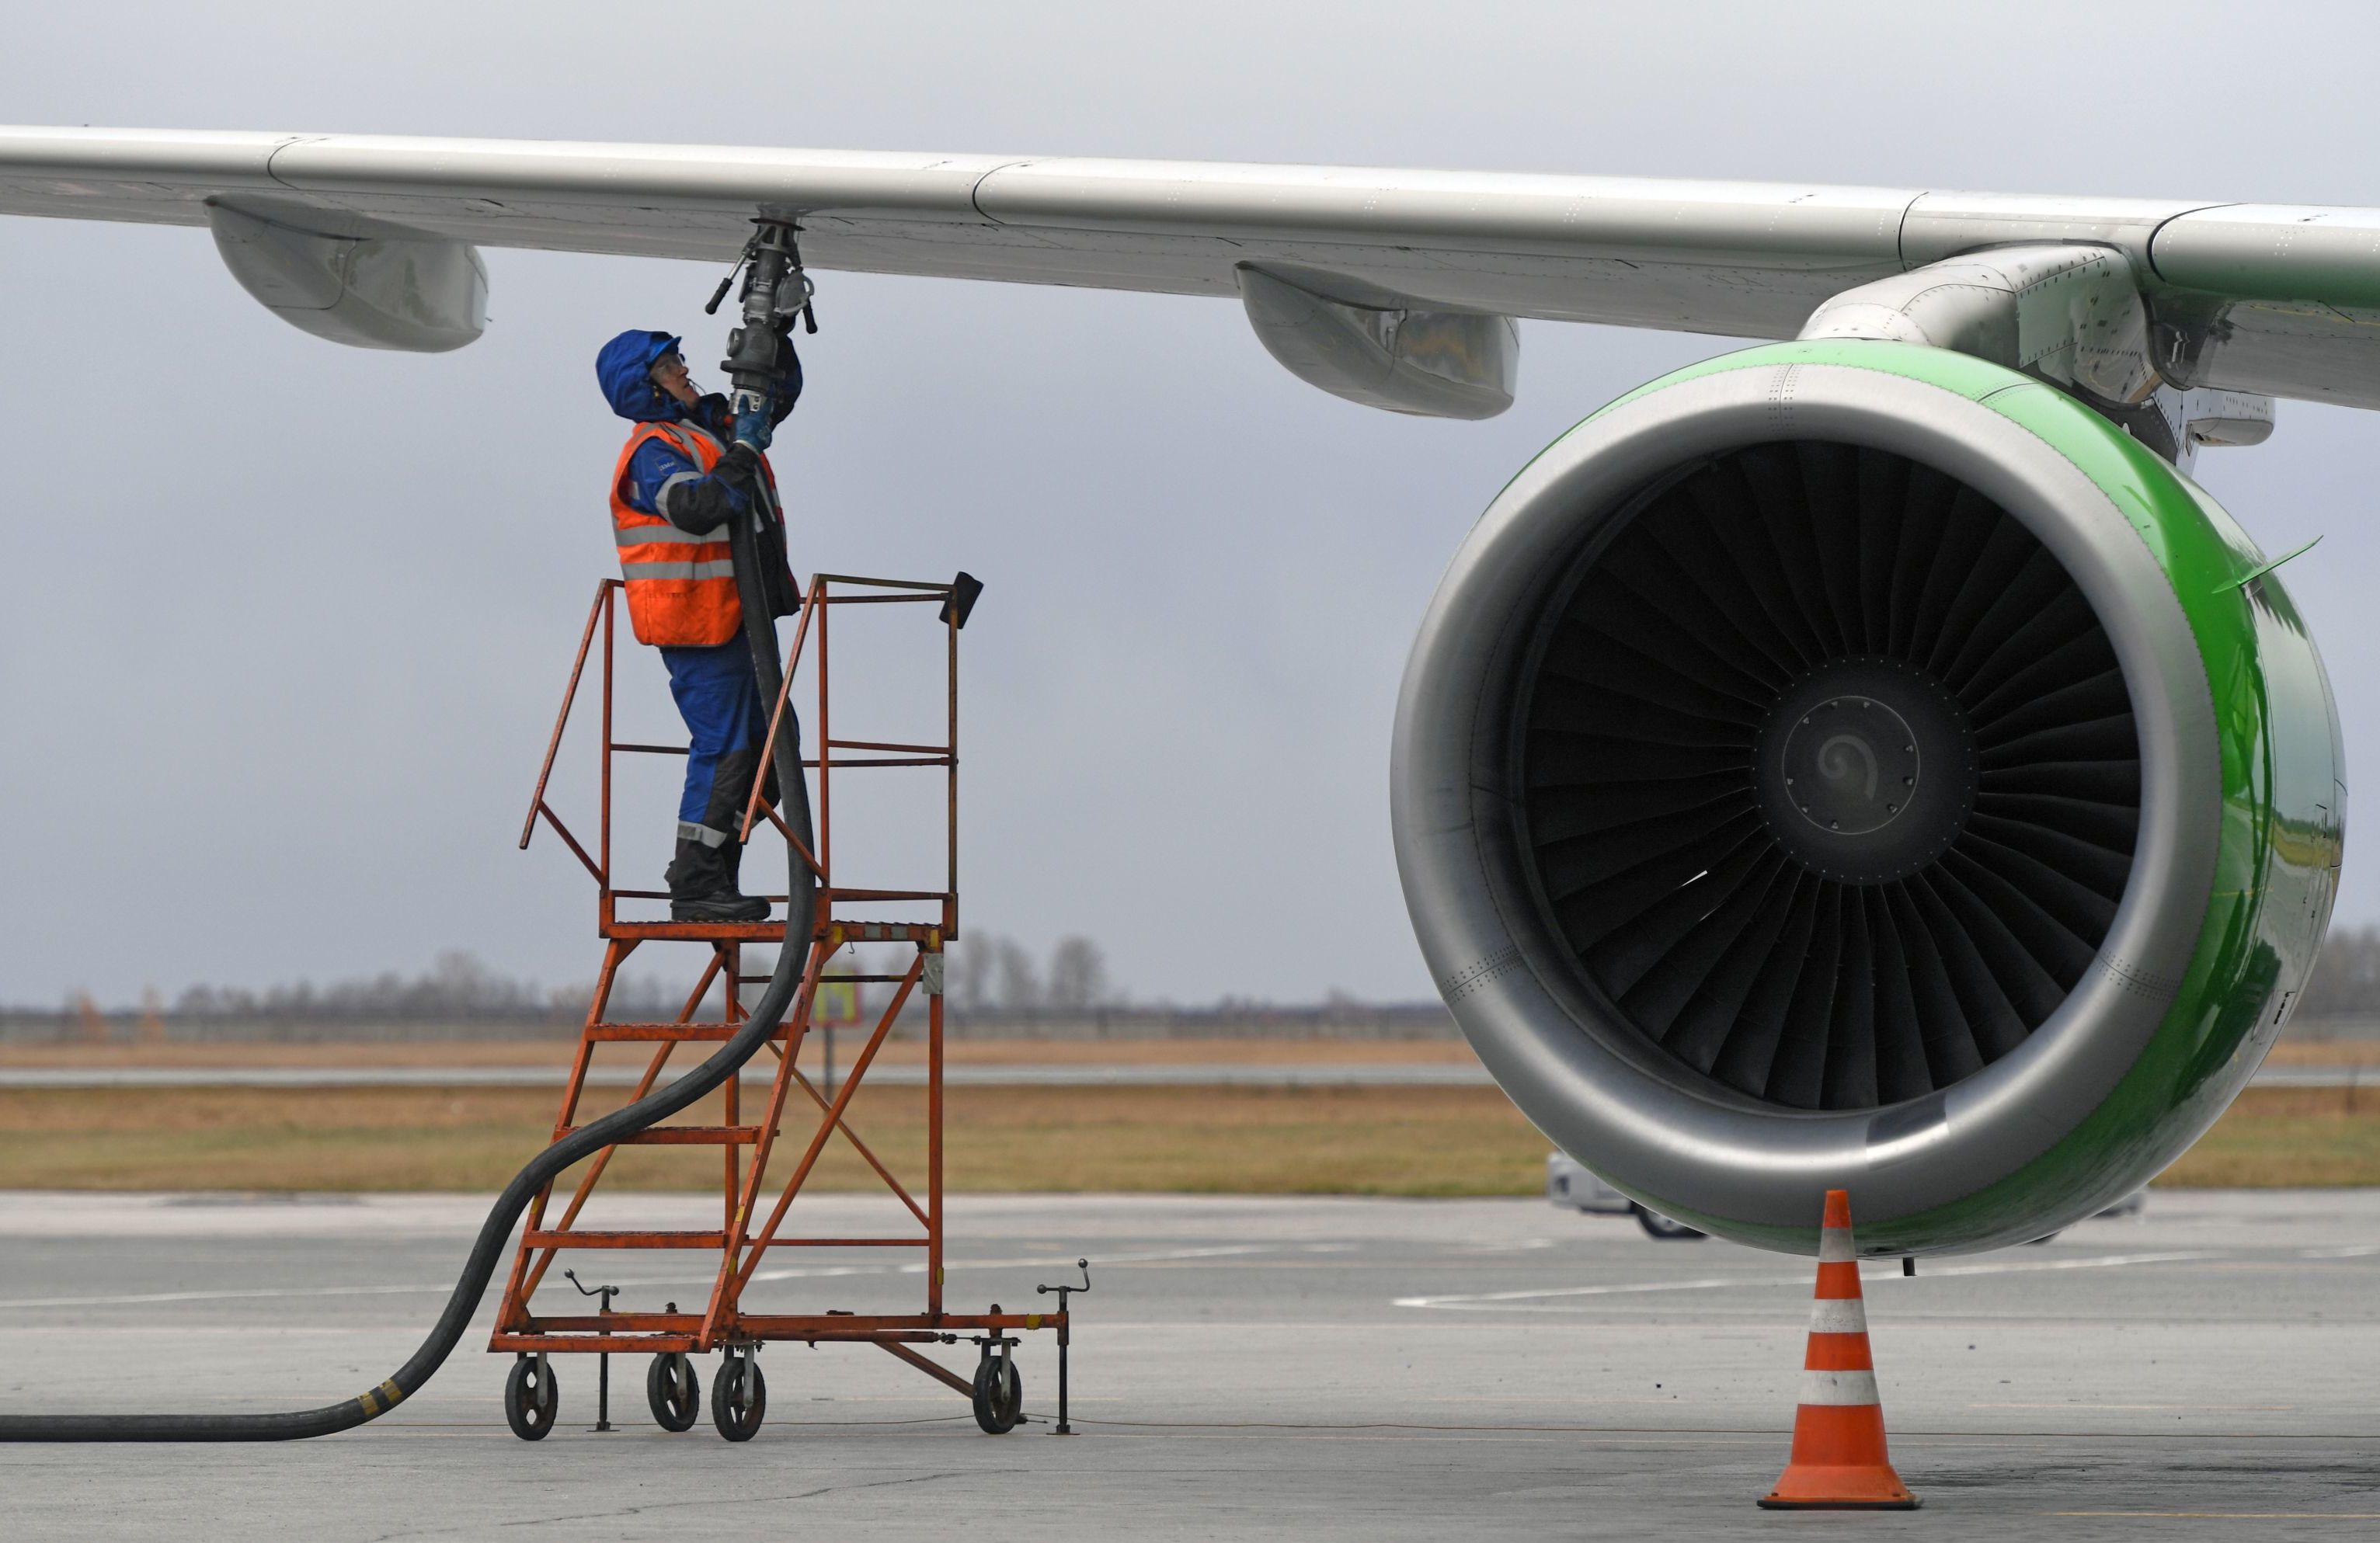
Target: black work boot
(702, 890)
(731, 858)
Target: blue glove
(753, 427)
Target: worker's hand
(753, 429)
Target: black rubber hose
(495, 1233)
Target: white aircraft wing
(2272, 299)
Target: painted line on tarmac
(143, 1298)
(818, 1273)
(1510, 1301)
(2237, 1516)
(797, 1272)
(2196, 1408)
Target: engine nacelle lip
(1755, 1172)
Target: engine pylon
(1838, 1461)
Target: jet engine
(1857, 765)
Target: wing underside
(2280, 300)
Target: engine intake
(1836, 766)
(1827, 775)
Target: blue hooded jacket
(623, 368)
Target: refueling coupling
(775, 291)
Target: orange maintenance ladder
(921, 924)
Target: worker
(678, 484)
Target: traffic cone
(1838, 1461)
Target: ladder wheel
(999, 1395)
(739, 1396)
(530, 1398)
(673, 1393)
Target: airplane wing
(2272, 299)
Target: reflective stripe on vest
(721, 567)
(681, 584)
(653, 536)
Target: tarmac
(1065, 1074)
(1312, 1369)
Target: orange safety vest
(681, 584)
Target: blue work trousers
(726, 722)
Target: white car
(1568, 1182)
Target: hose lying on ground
(489, 1247)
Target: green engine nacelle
(1852, 765)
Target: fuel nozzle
(775, 291)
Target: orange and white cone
(1838, 1461)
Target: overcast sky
(284, 623)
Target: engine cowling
(1854, 765)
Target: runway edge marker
(1838, 1461)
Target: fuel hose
(489, 1247)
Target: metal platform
(924, 922)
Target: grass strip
(1415, 1141)
(1237, 1140)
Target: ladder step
(695, 932)
(688, 1136)
(882, 932)
(673, 1032)
(542, 1238)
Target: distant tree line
(989, 975)
(986, 975)
(457, 986)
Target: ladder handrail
(562, 720)
(816, 596)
